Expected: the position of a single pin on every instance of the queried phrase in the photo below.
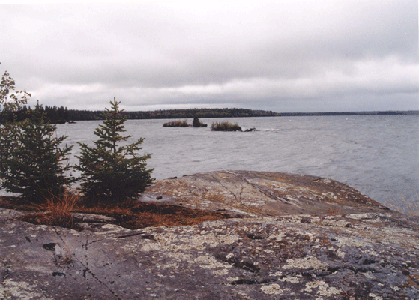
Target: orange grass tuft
(59, 212)
(56, 211)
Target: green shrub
(113, 173)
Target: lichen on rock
(287, 237)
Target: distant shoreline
(85, 115)
(367, 113)
(61, 115)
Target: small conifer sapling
(111, 172)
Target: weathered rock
(197, 123)
(264, 193)
(250, 129)
(295, 240)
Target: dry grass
(225, 126)
(132, 215)
(56, 211)
(154, 214)
(183, 123)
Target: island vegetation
(225, 126)
(196, 123)
(183, 123)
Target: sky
(283, 56)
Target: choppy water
(378, 155)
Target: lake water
(378, 155)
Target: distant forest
(78, 115)
(53, 114)
(61, 115)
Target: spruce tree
(33, 164)
(111, 172)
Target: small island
(225, 126)
(184, 123)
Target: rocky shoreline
(287, 237)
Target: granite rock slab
(288, 237)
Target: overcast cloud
(272, 55)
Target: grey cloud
(255, 54)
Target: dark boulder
(197, 123)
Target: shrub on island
(225, 126)
(183, 123)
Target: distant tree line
(51, 114)
(86, 115)
(61, 115)
(358, 113)
(82, 115)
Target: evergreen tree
(111, 172)
(11, 101)
(34, 164)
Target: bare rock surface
(289, 237)
(262, 193)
